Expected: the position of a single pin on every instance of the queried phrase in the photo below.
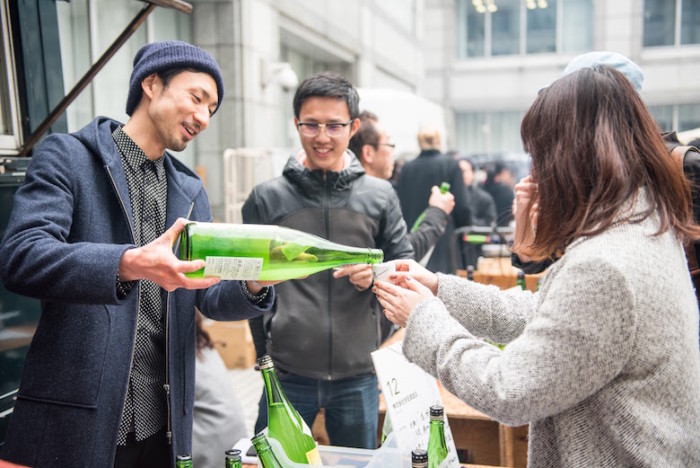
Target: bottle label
(313, 457)
(234, 268)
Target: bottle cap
(265, 362)
(233, 454)
(419, 456)
(436, 411)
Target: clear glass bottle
(284, 422)
(183, 461)
(233, 458)
(444, 188)
(266, 456)
(419, 458)
(265, 252)
(437, 447)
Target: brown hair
(594, 145)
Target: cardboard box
(233, 341)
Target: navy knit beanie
(165, 55)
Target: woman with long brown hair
(603, 361)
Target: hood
(313, 182)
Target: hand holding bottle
(156, 262)
(443, 200)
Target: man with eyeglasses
(322, 329)
(372, 146)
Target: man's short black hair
(366, 134)
(327, 84)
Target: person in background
(372, 146)
(322, 329)
(600, 360)
(416, 180)
(499, 184)
(109, 376)
(481, 206)
(218, 416)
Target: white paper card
(409, 392)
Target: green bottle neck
(437, 435)
(273, 389)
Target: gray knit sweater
(603, 361)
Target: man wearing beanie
(109, 377)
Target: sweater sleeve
(577, 340)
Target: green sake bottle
(266, 456)
(437, 447)
(183, 461)
(521, 280)
(284, 422)
(419, 458)
(233, 458)
(444, 188)
(264, 252)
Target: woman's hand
(406, 268)
(525, 222)
(399, 301)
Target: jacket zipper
(326, 217)
(166, 386)
(133, 238)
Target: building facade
(487, 59)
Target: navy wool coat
(70, 224)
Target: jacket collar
(316, 181)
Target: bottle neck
(437, 432)
(273, 390)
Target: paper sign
(409, 392)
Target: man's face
(325, 152)
(182, 109)
(382, 164)
(467, 173)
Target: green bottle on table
(284, 422)
(264, 252)
(437, 447)
(183, 461)
(444, 188)
(419, 458)
(233, 458)
(266, 456)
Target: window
(671, 22)
(489, 132)
(9, 113)
(489, 28)
(678, 117)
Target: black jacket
(321, 327)
(416, 179)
